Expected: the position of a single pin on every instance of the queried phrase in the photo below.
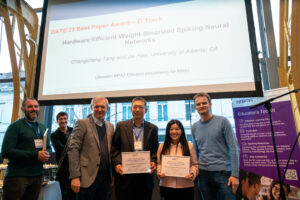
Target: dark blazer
(123, 142)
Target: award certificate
(136, 162)
(176, 166)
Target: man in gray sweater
(217, 151)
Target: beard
(30, 116)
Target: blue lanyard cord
(137, 135)
(37, 132)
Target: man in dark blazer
(134, 135)
(89, 153)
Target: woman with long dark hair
(176, 144)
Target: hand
(234, 183)
(161, 175)
(75, 185)
(118, 169)
(189, 177)
(43, 155)
(152, 167)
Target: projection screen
(159, 49)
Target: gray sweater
(216, 145)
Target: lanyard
(137, 135)
(37, 132)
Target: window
(126, 111)
(6, 103)
(71, 116)
(108, 114)
(85, 112)
(162, 111)
(147, 116)
(189, 109)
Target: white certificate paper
(176, 166)
(136, 162)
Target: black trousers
(94, 192)
(134, 187)
(98, 190)
(22, 188)
(66, 191)
(167, 193)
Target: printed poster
(255, 140)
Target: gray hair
(25, 100)
(97, 98)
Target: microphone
(272, 99)
(261, 103)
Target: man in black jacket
(59, 140)
(130, 136)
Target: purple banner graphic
(255, 140)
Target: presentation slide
(130, 48)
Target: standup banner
(255, 140)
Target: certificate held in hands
(136, 162)
(176, 166)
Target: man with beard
(22, 146)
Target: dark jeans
(213, 185)
(25, 188)
(177, 193)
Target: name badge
(138, 145)
(38, 143)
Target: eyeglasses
(138, 107)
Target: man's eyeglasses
(138, 107)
